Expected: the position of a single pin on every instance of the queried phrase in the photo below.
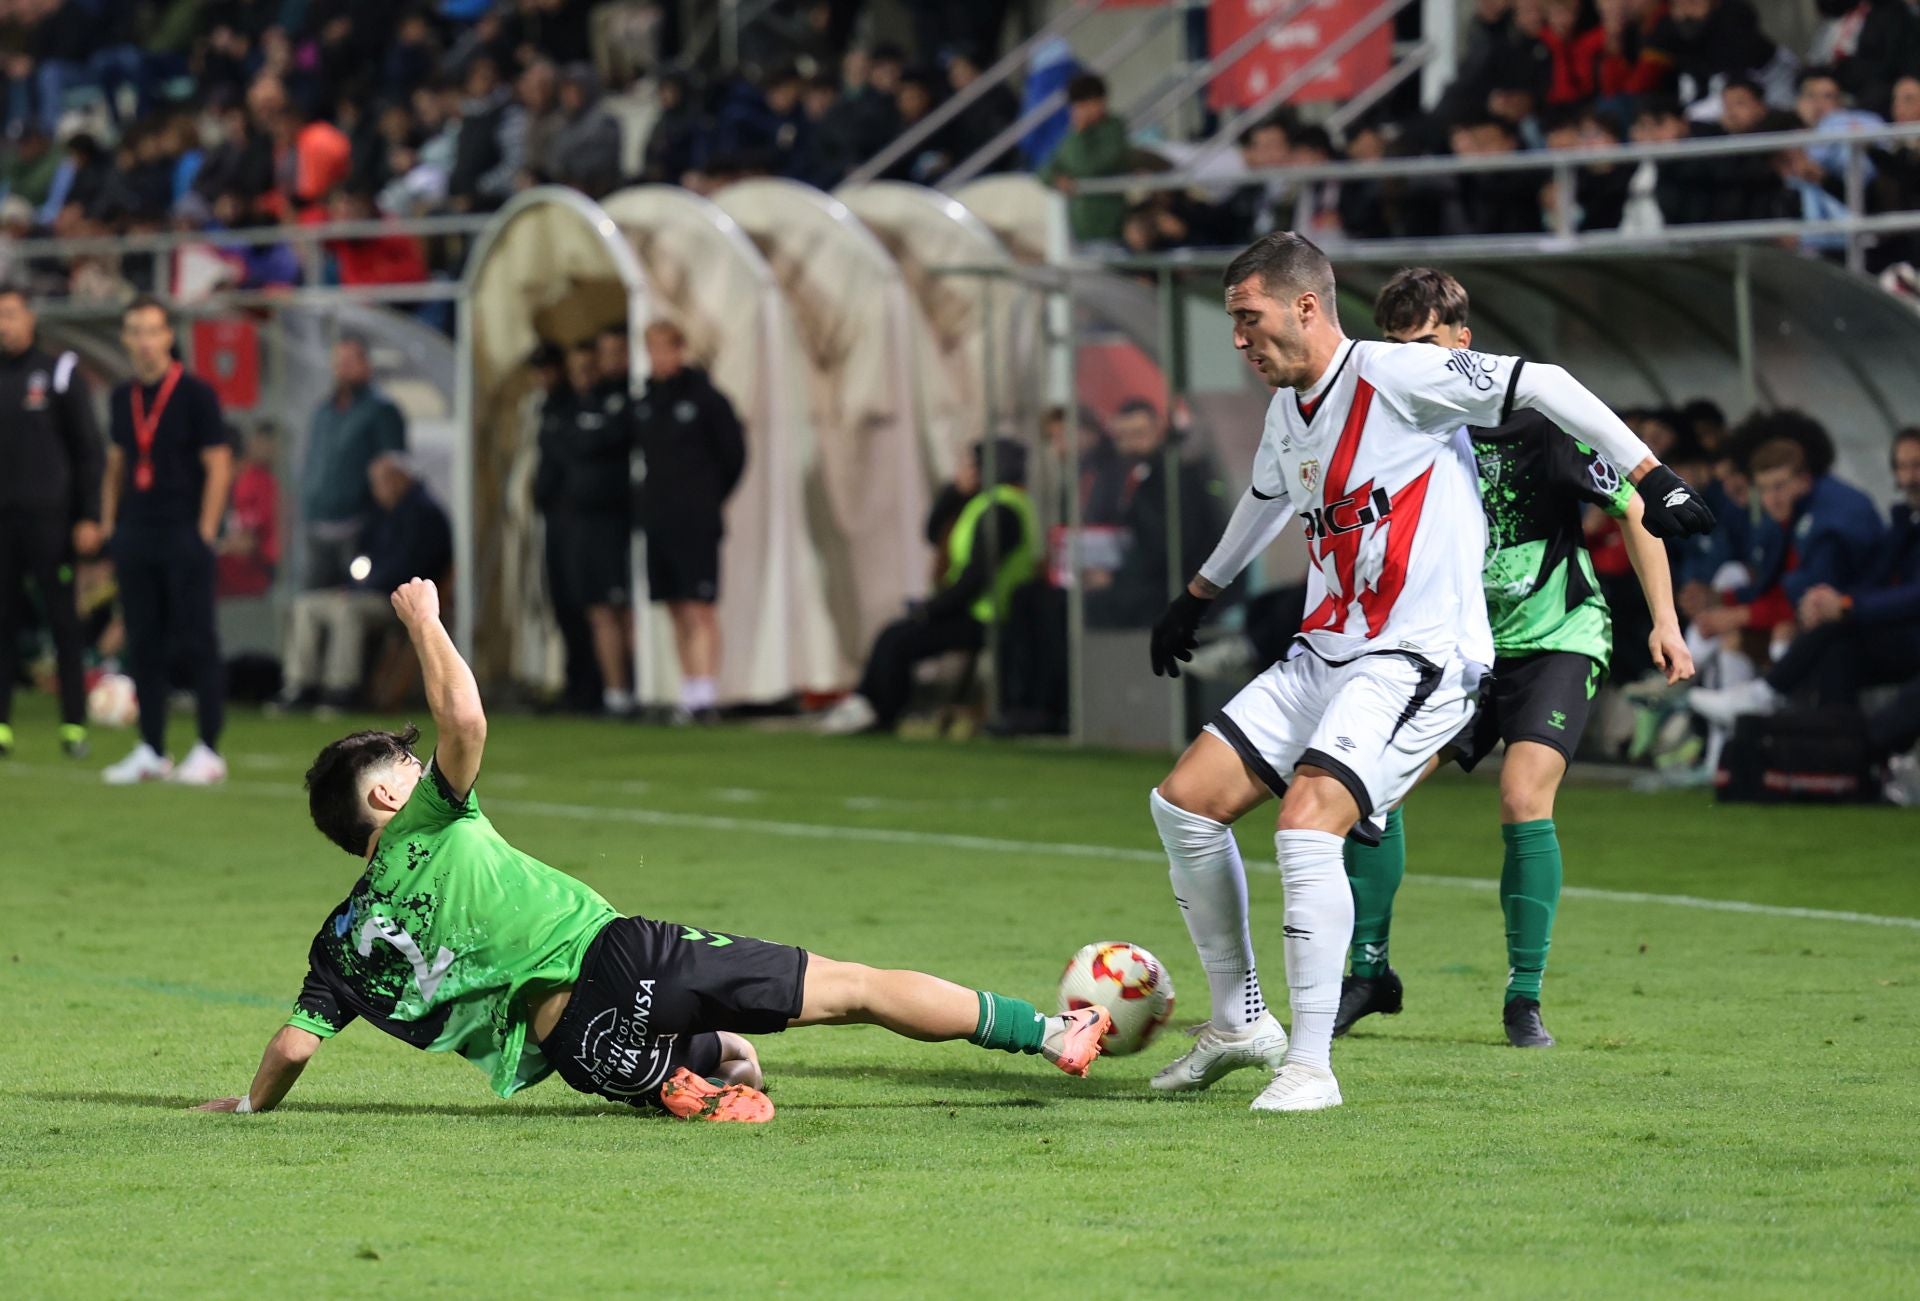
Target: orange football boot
(1078, 1041)
(691, 1097)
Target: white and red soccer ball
(111, 702)
(1126, 980)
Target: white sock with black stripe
(1318, 927)
(1210, 885)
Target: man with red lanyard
(168, 468)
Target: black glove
(1175, 633)
(1673, 509)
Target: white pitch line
(1057, 848)
(997, 845)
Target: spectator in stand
(585, 150)
(248, 553)
(1700, 44)
(1494, 203)
(918, 95)
(241, 161)
(407, 537)
(1513, 100)
(1097, 146)
(985, 118)
(1315, 204)
(1802, 194)
(349, 430)
(1093, 471)
(79, 179)
(1888, 49)
(1743, 106)
(867, 117)
(1850, 639)
(489, 143)
(164, 494)
(310, 157)
(253, 266)
(673, 147)
(1896, 181)
(1253, 209)
(413, 58)
(393, 259)
(695, 454)
(1821, 105)
(1680, 193)
(537, 89)
(1502, 46)
(1365, 210)
(1600, 192)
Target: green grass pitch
(1731, 1110)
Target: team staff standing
(695, 454)
(49, 506)
(168, 469)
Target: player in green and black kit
(455, 941)
(1553, 636)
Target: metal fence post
(1564, 218)
(1856, 185)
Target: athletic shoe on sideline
(143, 765)
(1364, 995)
(1218, 1052)
(852, 715)
(1077, 1042)
(201, 767)
(690, 1097)
(1299, 1088)
(1522, 1017)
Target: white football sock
(1210, 885)
(616, 701)
(698, 693)
(1319, 927)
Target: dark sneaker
(708, 717)
(1363, 996)
(1523, 1024)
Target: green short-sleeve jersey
(446, 936)
(1540, 587)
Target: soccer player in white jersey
(1365, 442)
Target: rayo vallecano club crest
(1310, 474)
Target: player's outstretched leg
(1210, 885)
(1374, 873)
(1529, 882)
(927, 1008)
(1314, 820)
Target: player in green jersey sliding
(454, 941)
(1553, 637)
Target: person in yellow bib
(992, 548)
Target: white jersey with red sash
(1376, 463)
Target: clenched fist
(417, 601)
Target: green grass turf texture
(1731, 1108)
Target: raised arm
(460, 724)
(1649, 558)
(287, 1054)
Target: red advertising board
(1291, 45)
(226, 354)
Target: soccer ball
(1126, 980)
(111, 702)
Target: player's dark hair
(1778, 454)
(1086, 87)
(333, 784)
(1288, 265)
(146, 303)
(1819, 72)
(1765, 426)
(1416, 293)
(1747, 84)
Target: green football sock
(1373, 873)
(71, 732)
(1529, 893)
(1012, 1025)
(6, 736)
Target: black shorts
(651, 995)
(1543, 697)
(596, 562)
(683, 566)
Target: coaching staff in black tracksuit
(169, 465)
(49, 506)
(584, 489)
(695, 454)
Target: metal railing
(1563, 164)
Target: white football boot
(143, 765)
(201, 767)
(1217, 1053)
(1299, 1088)
(853, 715)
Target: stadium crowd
(124, 117)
